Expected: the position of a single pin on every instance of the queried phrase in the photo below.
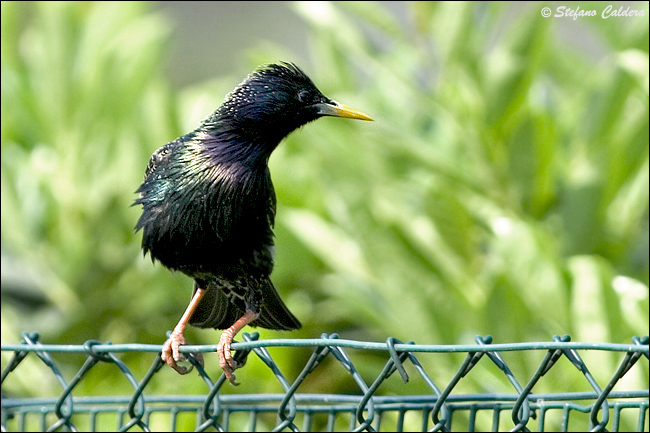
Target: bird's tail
(274, 314)
(220, 308)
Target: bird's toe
(226, 362)
(176, 353)
(171, 354)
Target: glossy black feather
(209, 204)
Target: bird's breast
(212, 219)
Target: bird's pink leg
(170, 352)
(228, 365)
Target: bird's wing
(158, 158)
(272, 201)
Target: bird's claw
(172, 355)
(226, 361)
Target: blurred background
(501, 190)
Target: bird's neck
(237, 146)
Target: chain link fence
(373, 406)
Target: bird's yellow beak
(336, 109)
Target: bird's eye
(303, 96)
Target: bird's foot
(226, 361)
(172, 356)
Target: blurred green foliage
(502, 189)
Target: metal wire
(443, 408)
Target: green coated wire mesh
(374, 404)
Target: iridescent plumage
(209, 204)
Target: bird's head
(276, 99)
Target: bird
(209, 206)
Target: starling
(208, 206)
